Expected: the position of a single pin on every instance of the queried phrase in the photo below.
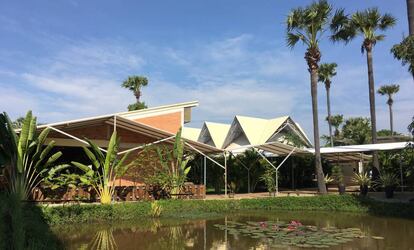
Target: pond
(247, 230)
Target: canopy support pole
(225, 174)
(73, 137)
(276, 168)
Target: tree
(26, 160)
(389, 90)
(404, 52)
(365, 23)
(357, 130)
(336, 121)
(326, 72)
(135, 83)
(18, 123)
(308, 25)
(105, 168)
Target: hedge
(86, 213)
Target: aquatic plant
(293, 233)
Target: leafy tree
(307, 25)
(105, 168)
(269, 179)
(135, 83)
(357, 130)
(251, 160)
(404, 52)
(26, 160)
(389, 91)
(326, 72)
(387, 132)
(366, 24)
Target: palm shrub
(26, 160)
(328, 180)
(364, 182)
(388, 181)
(104, 170)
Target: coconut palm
(404, 52)
(367, 24)
(326, 72)
(307, 25)
(389, 90)
(135, 83)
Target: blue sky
(67, 59)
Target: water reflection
(201, 234)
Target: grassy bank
(199, 208)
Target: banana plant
(105, 168)
(25, 159)
(175, 164)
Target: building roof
(190, 133)
(218, 132)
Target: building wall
(170, 122)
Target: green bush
(199, 208)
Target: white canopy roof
(364, 148)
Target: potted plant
(388, 181)
(364, 182)
(338, 176)
(328, 180)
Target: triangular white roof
(190, 133)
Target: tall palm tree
(308, 25)
(365, 23)
(389, 90)
(326, 72)
(410, 14)
(336, 121)
(135, 83)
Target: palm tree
(410, 14)
(404, 52)
(135, 83)
(326, 72)
(389, 90)
(308, 25)
(336, 121)
(365, 23)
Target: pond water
(248, 230)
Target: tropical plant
(26, 160)
(389, 91)
(328, 179)
(250, 160)
(18, 123)
(356, 130)
(156, 209)
(365, 23)
(404, 52)
(105, 168)
(135, 83)
(387, 179)
(326, 72)
(174, 165)
(307, 25)
(337, 174)
(336, 121)
(362, 179)
(269, 179)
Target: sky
(67, 59)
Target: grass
(204, 208)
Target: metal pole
(225, 175)
(277, 184)
(205, 173)
(401, 176)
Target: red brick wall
(168, 122)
